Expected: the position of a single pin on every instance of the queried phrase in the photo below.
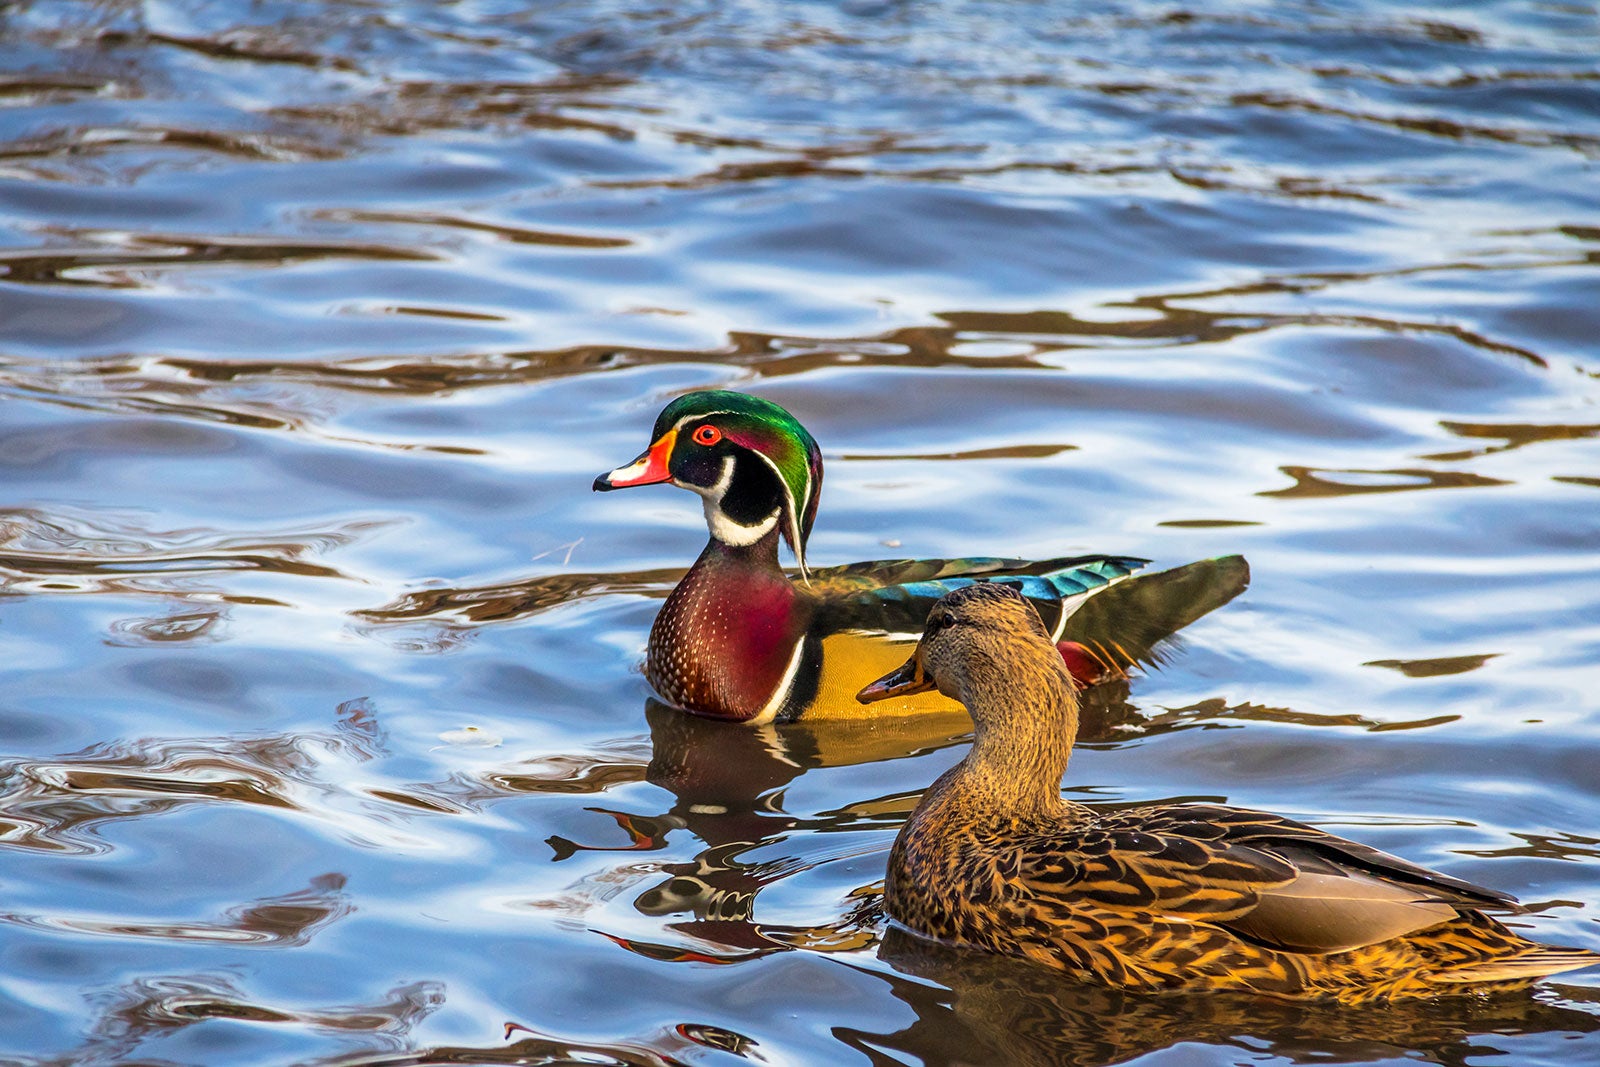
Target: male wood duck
(739, 638)
(1181, 896)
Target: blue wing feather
(859, 597)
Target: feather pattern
(893, 596)
(1194, 896)
(739, 639)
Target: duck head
(981, 640)
(753, 464)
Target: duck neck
(746, 574)
(759, 554)
(1025, 715)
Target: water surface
(322, 737)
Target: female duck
(740, 639)
(1165, 897)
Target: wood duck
(1181, 896)
(738, 638)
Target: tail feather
(1537, 962)
(1134, 621)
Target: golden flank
(1182, 896)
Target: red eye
(707, 434)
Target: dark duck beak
(904, 680)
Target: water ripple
(287, 919)
(69, 551)
(61, 805)
(162, 1006)
(122, 260)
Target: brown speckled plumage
(1160, 897)
(710, 650)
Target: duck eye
(942, 621)
(707, 435)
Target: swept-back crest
(776, 436)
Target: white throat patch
(722, 527)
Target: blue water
(322, 732)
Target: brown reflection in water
(1004, 452)
(1217, 712)
(469, 605)
(58, 805)
(144, 388)
(70, 148)
(992, 1009)
(1221, 179)
(149, 1009)
(1207, 524)
(1311, 482)
(412, 108)
(621, 763)
(150, 386)
(673, 1046)
(727, 782)
(1434, 668)
(196, 626)
(288, 919)
(42, 87)
(259, 44)
(1432, 125)
(111, 260)
(442, 313)
(1214, 327)
(512, 234)
(71, 552)
(1546, 846)
(1512, 436)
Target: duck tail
(1135, 622)
(1476, 949)
(1536, 962)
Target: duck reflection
(728, 781)
(973, 1007)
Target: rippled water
(324, 735)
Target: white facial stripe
(699, 415)
(722, 527)
(715, 493)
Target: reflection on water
(60, 805)
(78, 553)
(1000, 1010)
(324, 739)
(157, 1008)
(290, 919)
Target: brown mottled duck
(1180, 896)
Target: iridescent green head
(749, 459)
